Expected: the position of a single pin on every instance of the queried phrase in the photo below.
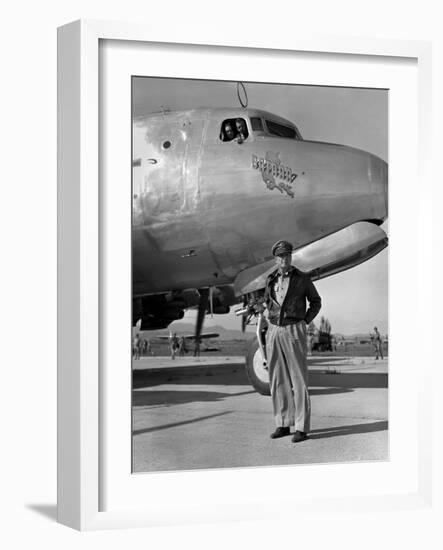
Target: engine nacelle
(342, 250)
(156, 312)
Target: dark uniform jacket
(293, 308)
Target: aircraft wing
(203, 335)
(192, 336)
(338, 252)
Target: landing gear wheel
(258, 376)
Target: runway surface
(203, 413)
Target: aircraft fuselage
(205, 209)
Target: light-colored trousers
(378, 349)
(288, 375)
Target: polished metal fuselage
(204, 210)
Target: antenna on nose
(242, 94)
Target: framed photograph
(187, 173)
(206, 183)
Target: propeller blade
(211, 301)
(202, 307)
(244, 318)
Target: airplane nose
(385, 184)
(378, 175)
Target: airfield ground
(192, 413)
(239, 347)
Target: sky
(355, 300)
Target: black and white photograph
(260, 274)
(222, 275)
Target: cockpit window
(280, 130)
(256, 124)
(234, 129)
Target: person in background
(173, 344)
(136, 347)
(228, 133)
(242, 132)
(378, 344)
(182, 346)
(197, 348)
(143, 346)
(149, 347)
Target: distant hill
(228, 334)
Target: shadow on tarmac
(343, 381)
(175, 424)
(231, 377)
(178, 397)
(349, 430)
(349, 379)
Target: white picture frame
(81, 392)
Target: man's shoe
(299, 436)
(280, 432)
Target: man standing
(136, 347)
(173, 344)
(378, 345)
(197, 347)
(182, 346)
(287, 290)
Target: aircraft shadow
(178, 397)
(233, 377)
(165, 398)
(349, 430)
(349, 379)
(238, 377)
(176, 424)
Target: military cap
(282, 247)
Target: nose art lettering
(274, 174)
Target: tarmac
(200, 413)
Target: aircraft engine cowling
(220, 310)
(156, 323)
(157, 311)
(338, 252)
(222, 298)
